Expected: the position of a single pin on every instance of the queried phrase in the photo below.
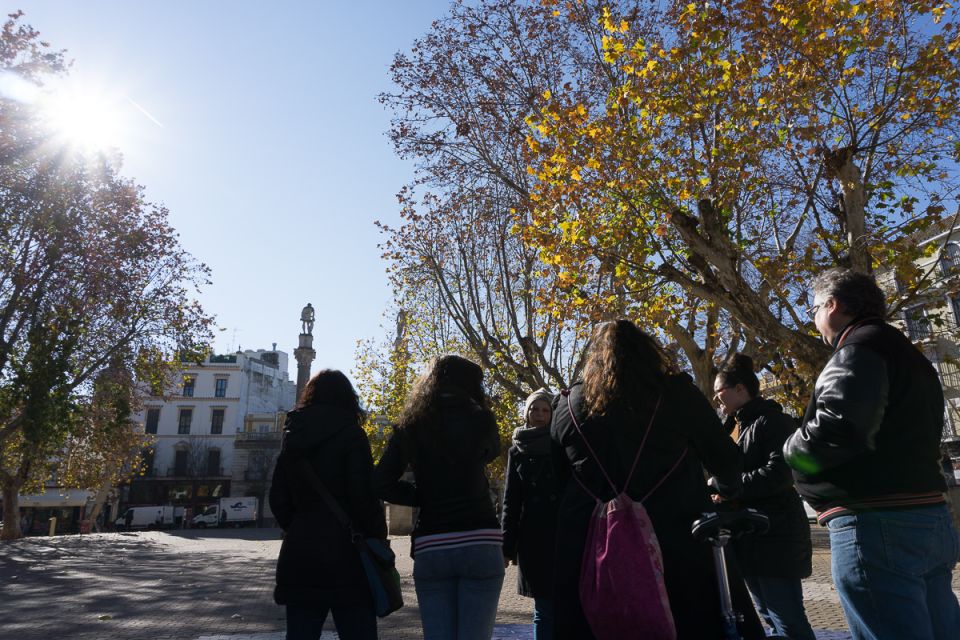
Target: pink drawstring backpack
(621, 575)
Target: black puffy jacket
(873, 426)
(785, 550)
(318, 566)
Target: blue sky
(270, 152)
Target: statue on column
(306, 317)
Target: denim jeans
(458, 591)
(353, 623)
(543, 619)
(780, 604)
(892, 570)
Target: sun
(83, 117)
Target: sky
(257, 125)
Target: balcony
(258, 440)
(174, 472)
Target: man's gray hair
(857, 293)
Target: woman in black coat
(624, 377)
(773, 564)
(530, 500)
(448, 435)
(319, 570)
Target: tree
(104, 446)
(91, 277)
(751, 146)
(461, 98)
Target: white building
(196, 425)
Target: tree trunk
(99, 500)
(841, 166)
(11, 510)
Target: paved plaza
(217, 585)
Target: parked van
(156, 517)
(235, 511)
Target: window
(918, 326)
(955, 307)
(180, 462)
(148, 456)
(949, 259)
(221, 390)
(263, 428)
(153, 419)
(188, 384)
(213, 462)
(186, 417)
(216, 421)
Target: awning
(53, 498)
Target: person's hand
(717, 498)
(506, 562)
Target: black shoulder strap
(307, 471)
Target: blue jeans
(543, 619)
(458, 591)
(353, 623)
(892, 570)
(780, 604)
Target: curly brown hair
(625, 369)
(448, 375)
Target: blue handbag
(376, 556)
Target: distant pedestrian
(448, 435)
(866, 457)
(772, 564)
(530, 501)
(319, 569)
(625, 379)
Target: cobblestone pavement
(217, 585)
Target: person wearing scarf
(530, 503)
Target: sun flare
(84, 118)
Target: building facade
(217, 431)
(932, 320)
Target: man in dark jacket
(866, 458)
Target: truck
(228, 511)
(152, 517)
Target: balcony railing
(258, 436)
(174, 472)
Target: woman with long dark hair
(627, 389)
(319, 570)
(448, 435)
(772, 564)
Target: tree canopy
(92, 278)
(689, 165)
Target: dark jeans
(893, 569)
(543, 618)
(353, 623)
(780, 604)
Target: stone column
(304, 352)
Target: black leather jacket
(873, 425)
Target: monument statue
(306, 317)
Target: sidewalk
(217, 585)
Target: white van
(156, 517)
